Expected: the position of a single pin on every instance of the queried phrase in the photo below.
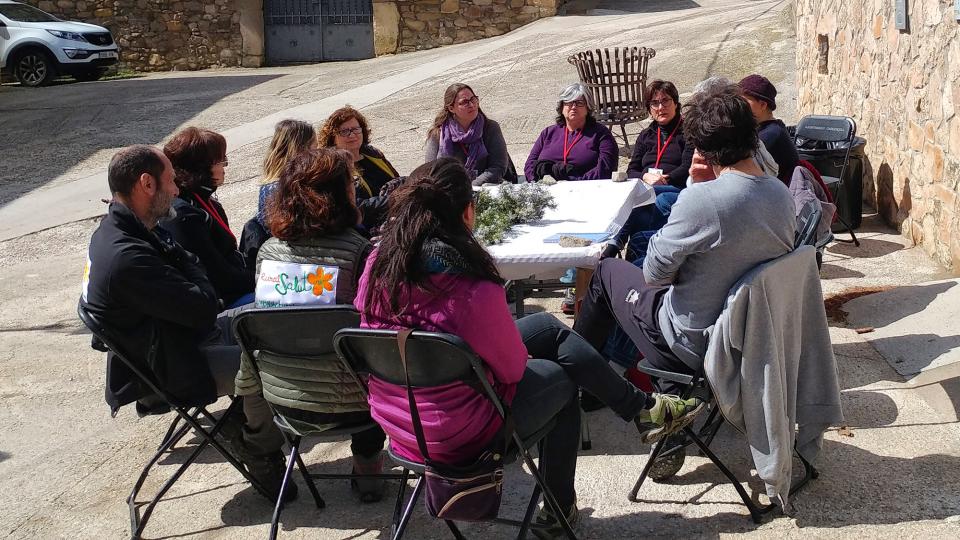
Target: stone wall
(903, 89)
(410, 25)
(158, 35)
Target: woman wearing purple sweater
(430, 273)
(576, 147)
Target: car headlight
(72, 36)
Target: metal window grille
(293, 12)
(348, 11)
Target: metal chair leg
(549, 500)
(170, 430)
(585, 442)
(756, 511)
(528, 515)
(408, 510)
(646, 469)
(308, 479)
(275, 521)
(401, 491)
(453, 529)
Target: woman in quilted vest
(314, 258)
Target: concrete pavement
(66, 466)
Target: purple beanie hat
(759, 87)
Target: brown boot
(370, 489)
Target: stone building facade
(410, 25)
(160, 35)
(903, 89)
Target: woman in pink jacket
(430, 273)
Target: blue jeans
(645, 221)
(563, 362)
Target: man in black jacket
(156, 299)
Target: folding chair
(433, 360)
(817, 132)
(291, 349)
(190, 416)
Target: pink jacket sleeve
(487, 327)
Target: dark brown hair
(193, 152)
(721, 127)
(129, 163)
(337, 119)
(428, 206)
(449, 98)
(313, 196)
(666, 87)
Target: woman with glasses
(199, 157)
(347, 129)
(461, 131)
(660, 155)
(576, 147)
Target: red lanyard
(216, 215)
(567, 149)
(660, 150)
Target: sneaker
(668, 466)
(549, 528)
(668, 415)
(569, 304)
(371, 490)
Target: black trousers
(618, 294)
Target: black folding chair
(190, 416)
(433, 360)
(816, 132)
(293, 348)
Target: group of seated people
(164, 270)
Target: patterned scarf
(442, 258)
(470, 141)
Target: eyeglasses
(346, 132)
(575, 104)
(225, 162)
(657, 103)
(475, 100)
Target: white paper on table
(583, 206)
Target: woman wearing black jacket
(201, 225)
(661, 156)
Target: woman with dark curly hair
(347, 129)
(199, 157)
(315, 257)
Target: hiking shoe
(371, 490)
(547, 527)
(668, 466)
(668, 415)
(268, 470)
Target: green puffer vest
(316, 385)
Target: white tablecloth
(585, 206)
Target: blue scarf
(453, 136)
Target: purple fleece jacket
(458, 423)
(593, 157)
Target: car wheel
(34, 68)
(89, 74)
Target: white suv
(36, 46)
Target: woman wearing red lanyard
(576, 147)
(200, 225)
(660, 155)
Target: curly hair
(721, 127)
(193, 153)
(313, 196)
(429, 205)
(337, 119)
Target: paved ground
(66, 466)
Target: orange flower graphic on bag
(321, 281)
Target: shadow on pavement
(902, 302)
(869, 248)
(604, 7)
(47, 131)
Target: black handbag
(470, 492)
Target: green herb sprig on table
(513, 205)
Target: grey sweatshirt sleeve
(497, 155)
(432, 149)
(693, 227)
